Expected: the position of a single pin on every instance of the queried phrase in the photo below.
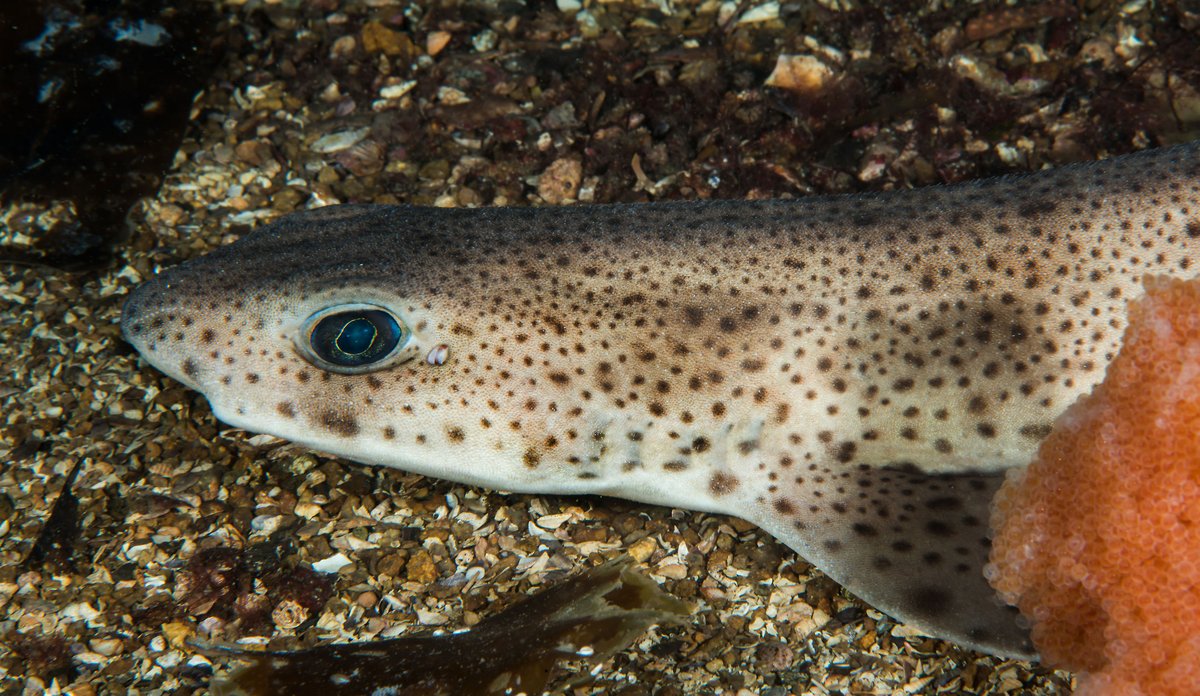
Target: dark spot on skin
(832, 545)
(1035, 431)
(374, 382)
(343, 424)
(675, 466)
(986, 430)
(694, 316)
(722, 483)
(456, 434)
(930, 601)
(251, 378)
(208, 336)
(286, 409)
(189, 368)
(1031, 209)
(532, 458)
(389, 433)
(784, 506)
(1193, 228)
(727, 324)
(938, 528)
(945, 504)
(865, 530)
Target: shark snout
(170, 334)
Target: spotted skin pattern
(853, 374)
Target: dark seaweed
(55, 544)
(46, 656)
(92, 116)
(222, 582)
(590, 616)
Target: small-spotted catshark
(853, 374)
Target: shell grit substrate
(1099, 540)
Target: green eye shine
(355, 338)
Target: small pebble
(436, 41)
(377, 38)
(289, 614)
(775, 655)
(332, 564)
(801, 74)
(335, 142)
(560, 182)
(420, 568)
(642, 549)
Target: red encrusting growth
(1098, 541)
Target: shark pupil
(355, 338)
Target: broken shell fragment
(801, 74)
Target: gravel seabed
(510, 103)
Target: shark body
(853, 374)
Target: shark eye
(354, 338)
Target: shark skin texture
(853, 374)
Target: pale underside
(852, 374)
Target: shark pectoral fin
(911, 544)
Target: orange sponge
(1098, 541)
